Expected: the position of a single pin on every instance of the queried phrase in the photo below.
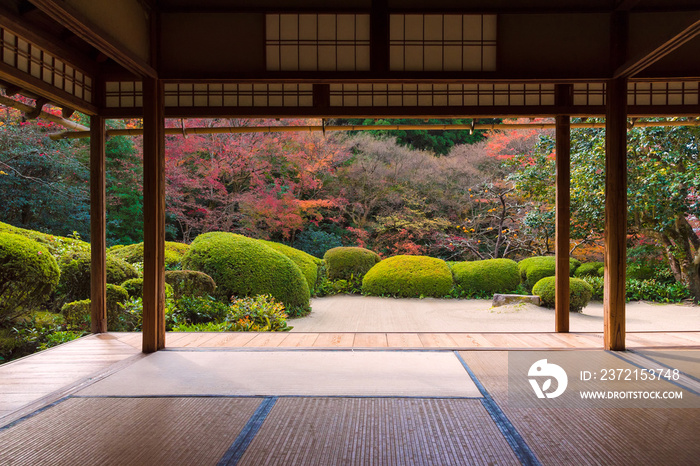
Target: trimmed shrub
(317, 243)
(28, 275)
(580, 293)
(408, 277)
(77, 313)
(306, 262)
(242, 266)
(488, 276)
(134, 287)
(588, 269)
(533, 269)
(190, 283)
(348, 263)
(75, 274)
(57, 245)
(640, 271)
(133, 253)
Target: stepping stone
(504, 299)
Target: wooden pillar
(153, 216)
(615, 214)
(563, 218)
(98, 230)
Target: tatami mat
(593, 436)
(359, 431)
(111, 431)
(301, 373)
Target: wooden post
(615, 214)
(98, 230)
(563, 217)
(154, 216)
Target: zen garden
(265, 230)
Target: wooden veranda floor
(55, 404)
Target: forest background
(447, 194)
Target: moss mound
(75, 274)
(580, 293)
(190, 283)
(242, 266)
(55, 244)
(533, 269)
(408, 277)
(28, 275)
(133, 253)
(77, 313)
(134, 287)
(306, 262)
(349, 263)
(588, 269)
(488, 276)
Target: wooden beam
(6, 101)
(615, 215)
(98, 228)
(83, 28)
(634, 65)
(154, 216)
(563, 218)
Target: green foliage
(57, 338)
(77, 314)
(28, 276)
(261, 313)
(644, 290)
(57, 245)
(533, 269)
(190, 283)
(589, 269)
(437, 141)
(134, 287)
(409, 277)
(487, 276)
(640, 271)
(334, 287)
(133, 253)
(580, 293)
(317, 242)
(195, 310)
(348, 263)
(242, 266)
(75, 274)
(306, 262)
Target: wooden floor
(451, 341)
(39, 379)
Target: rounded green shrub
(134, 287)
(133, 253)
(75, 274)
(190, 283)
(588, 269)
(242, 266)
(348, 263)
(580, 293)
(409, 277)
(489, 276)
(533, 269)
(28, 275)
(306, 262)
(77, 313)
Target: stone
(505, 299)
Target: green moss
(133, 253)
(349, 263)
(242, 266)
(409, 277)
(190, 283)
(489, 276)
(579, 295)
(306, 262)
(28, 275)
(75, 274)
(588, 269)
(533, 269)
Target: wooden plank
(154, 217)
(563, 220)
(370, 340)
(237, 339)
(299, 339)
(98, 227)
(267, 339)
(615, 215)
(404, 340)
(333, 340)
(436, 340)
(470, 340)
